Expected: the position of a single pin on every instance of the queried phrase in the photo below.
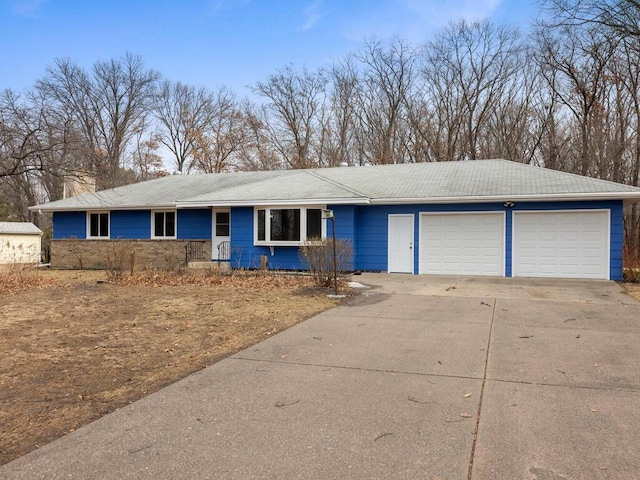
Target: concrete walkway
(423, 377)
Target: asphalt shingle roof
(480, 180)
(19, 228)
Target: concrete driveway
(423, 377)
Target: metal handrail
(224, 251)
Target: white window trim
(303, 225)
(89, 213)
(153, 225)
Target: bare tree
(470, 67)
(38, 146)
(109, 105)
(256, 152)
(578, 62)
(147, 163)
(294, 100)
(217, 142)
(183, 112)
(339, 123)
(28, 136)
(387, 78)
(619, 16)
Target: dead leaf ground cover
(633, 290)
(74, 349)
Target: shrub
(631, 263)
(18, 277)
(120, 257)
(317, 254)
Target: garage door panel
(571, 244)
(462, 244)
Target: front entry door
(221, 234)
(400, 249)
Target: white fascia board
(628, 196)
(265, 203)
(102, 208)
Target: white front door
(400, 249)
(221, 232)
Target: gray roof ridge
(315, 173)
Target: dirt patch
(75, 349)
(632, 289)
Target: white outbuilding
(20, 242)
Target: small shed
(20, 242)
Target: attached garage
(462, 243)
(570, 244)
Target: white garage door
(462, 244)
(561, 244)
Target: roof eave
(265, 203)
(627, 196)
(75, 208)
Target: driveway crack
(484, 382)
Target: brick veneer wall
(93, 254)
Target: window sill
(278, 244)
(297, 243)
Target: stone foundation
(101, 254)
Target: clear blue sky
(220, 42)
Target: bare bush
(19, 277)
(631, 266)
(120, 257)
(317, 254)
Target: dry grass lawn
(74, 349)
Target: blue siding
(194, 224)
(508, 243)
(244, 254)
(372, 229)
(69, 224)
(130, 224)
(345, 221)
(616, 241)
(365, 226)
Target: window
(222, 224)
(98, 225)
(164, 225)
(287, 226)
(314, 223)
